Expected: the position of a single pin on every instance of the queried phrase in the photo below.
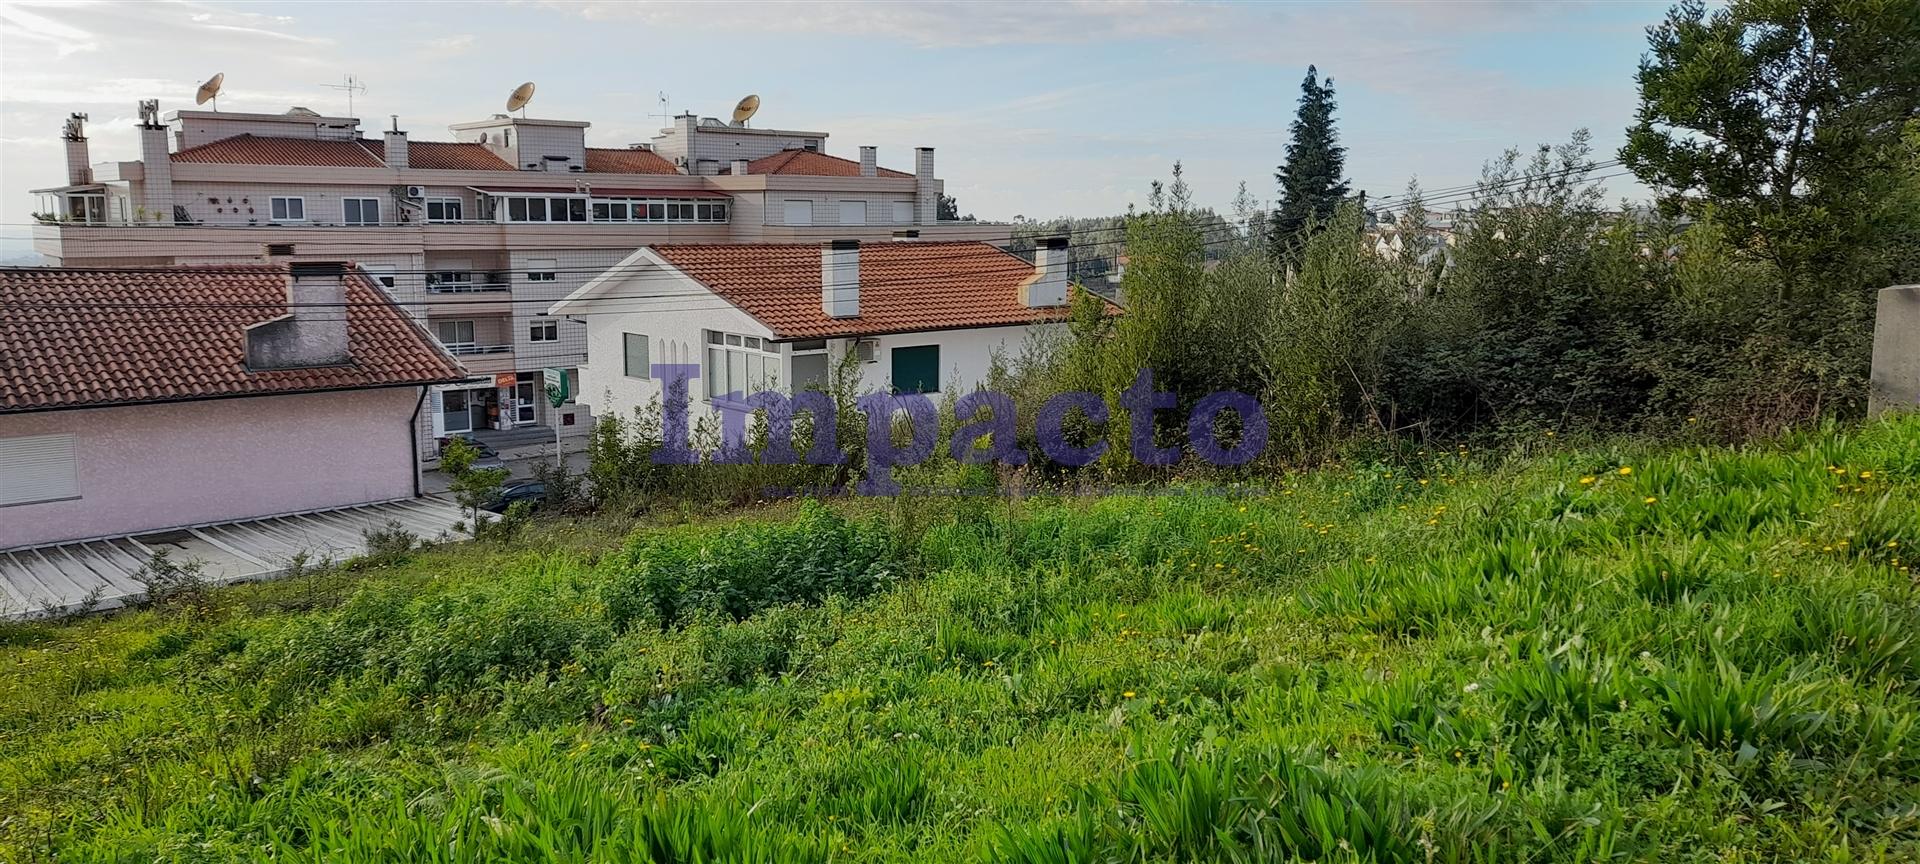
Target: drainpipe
(413, 438)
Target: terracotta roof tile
(813, 164)
(447, 156)
(612, 160)
(75, 338)
(261, 150)
(904, 287)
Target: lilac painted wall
(150, 467)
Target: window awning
(599, 192)
(68, 190)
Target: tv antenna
(666, 114)
(518, 99)
(210, 91)
(744, 111)
(348, 85)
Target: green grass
(1710, 657)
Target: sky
(1036, 109)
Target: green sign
(556, 386)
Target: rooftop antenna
(350, 85)
(744, 111)
(518, 99)
(210, 91)
(665, 115)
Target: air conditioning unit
(867, 350)
(416, 191)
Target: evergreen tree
(1311, 186)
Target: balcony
(483, 359)
(469, 298)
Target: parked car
(533, 492)
(488, 458)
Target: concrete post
(156, 185)
(1895, 383)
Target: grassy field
(1576, 655)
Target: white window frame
(543, 329)
(787, 212)
(726, 356)
(848, 205)
(458, 345)
(285, 203)
(542, 269)
(348, 219)
(627, 341)
(459, 209)
(36, 469)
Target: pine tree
(1311, 186)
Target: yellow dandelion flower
(1128, 694)
(1626, 470)
(1587, 481)
(1649, 500)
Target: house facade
(476, 236)
(166, 397)
(923, 317)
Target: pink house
(148, 398)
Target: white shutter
(853, 212)
(37, 468)
(436, 408)
(799, 213)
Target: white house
(922, 316)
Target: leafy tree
(1778, 115)
(471, 487)
(1311, 185)
(949, 210)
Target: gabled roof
(82, 338)
(904, 287)
(447, 156)
(611, 160)
(812, 164)
(264, 150)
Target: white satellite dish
(745, 110)
(518, 99)
(210, 91)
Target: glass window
(719, 212)
(541, 269)
(576, 210)
(456, 334)
(361, 211)
(453, 411)
(543, 330)
(617, 211)
(443, 210)
(636, 349)
(536, 209)
(656, 211)
(516, 209)
(809, 372)
(916, 369)
(288, 209)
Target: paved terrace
(49, 580)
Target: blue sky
(1036, 109)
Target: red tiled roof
(813, 164)
(261, 150)
(611, 160)
(77, 338)
(447, 156)
(904, 287)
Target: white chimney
(156, 163)
(869, 161)
(926, 190)
(739, 167)
(79, 169)
(1052, 264)
(396, 145)
(314, 330)
(840, 278)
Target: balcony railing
(467, 287)
(467, 349)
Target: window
(739, 364)
(37, 468)
(853, 212)
(543, 330)
(916, 369)
(811, 365)
(541, 269)
(456, 335)
(291, 209)
(381, 273)
(637, 364)
(443, 209)
(454, 416)
(446, 281)
(361, 211)
(903, 212)
(799, 213)
(517, 209)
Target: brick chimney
(926, 190)
(396, 145)
(869, 161)
(314, 330)
(1052, 264)
(840, 278)
(79, 168)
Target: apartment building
(476, 236)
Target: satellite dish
(518, 99)
(210, 91)
(745, 109)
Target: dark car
(533, 492)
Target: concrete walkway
(66, 577)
